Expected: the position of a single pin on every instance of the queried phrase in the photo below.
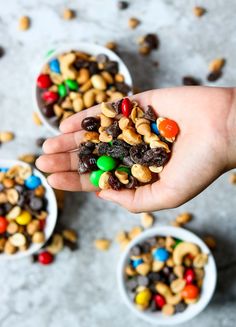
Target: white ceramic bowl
(207, 290)
(89, 48)
(52, 212)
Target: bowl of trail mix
(125, 146)
(167, 275)
(76, 77)
(28, 210)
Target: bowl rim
(91, 48)
(208, 288)
(52, 215)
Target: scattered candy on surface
(45, 258)
(120, 141)
(155, 282)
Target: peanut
(102, 244)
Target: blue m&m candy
(161, 254)
(4, 170)
(154, 128)
(55, 66)
(32, 182)
(137, 262)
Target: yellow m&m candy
(24, 218)
(143, 297)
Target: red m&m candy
(168, 128)
(189, 276)
(3, 224)
(126, 107)
(44, 81)
(45, 258)
(159, 300)
(50, 97)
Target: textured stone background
(80, 288)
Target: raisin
(155, 157)
(151, 40)
(102, 148)
(93, 68)
(214, 76)
(127, 161)
(114, 129)
(90, 124)
(190, 80)
(180, 307)
(102, 58)
(137, 152)
(85, 149)
(122, 5)
(114, 183)
(111, 67)
(150, 114)
(118, 151)
(122, 87)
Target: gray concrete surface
(80, 288)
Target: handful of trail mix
(125, 146)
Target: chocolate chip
(93, 68)
(146, 247)
(180, 307)
(151, 40)
(111, 67)
(155, 276)
(143, 280)
(48, 111)
(136, 250)
(117, 106)
(39, 142)
(152, 241)
(214, 76)
(114, 183)
(190, 80)
(80, 63)
(167, 271)
(132, 284)
(150, 114)
(172, 277)
(90, 124)
(122, 5)
(36, 203)
(122, 87)
(2, 52)
(102, 58)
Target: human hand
(201, 153)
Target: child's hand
(202, 152)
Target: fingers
(71, 181)
(63, 143)
(150, 197)
(52, 163)
(73, 123)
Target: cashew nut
(92, 137)
(105, 121)
(149, 138)
(143, 269)
(100, 97)
(182, 249)
(56, 245)
(131, 137)
(122, 176)
(66, 62)
(200, 260)
(165, 291)
(159, 144)
(157, 265)
(108, 110)
(124, 122)
(142, 173)
(103, 180)
(142, 126)
(156, 169)
(114, 96)
(105, 137)
(177, 285)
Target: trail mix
(75, 81)
(23, 209)
(125, 146)
(165, 274)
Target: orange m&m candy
(168, 128)
(190, 292)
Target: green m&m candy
(73, 85)
(62, 90)
(106, 163)
(95, 176)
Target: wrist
(231, 131)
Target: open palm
(199, 155)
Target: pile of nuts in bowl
(125, 146)
(74, 81)
(165, 274)
(23, 209)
